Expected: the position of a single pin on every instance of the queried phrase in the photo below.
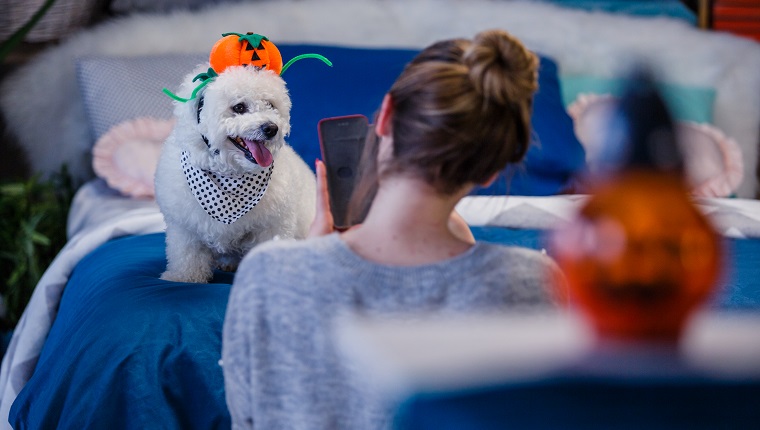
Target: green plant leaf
(33, 216)
(40, 239)
(18, 36)
(13, 189)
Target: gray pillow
(117, 89)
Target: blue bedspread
(739, 288)
(128, 350)
(588, 403)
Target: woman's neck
(407, 225)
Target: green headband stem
(301, 57)
(192, 96)
(210, 75)
(207, 77)
(174, 96)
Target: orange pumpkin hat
(250, 49)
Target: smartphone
(341, 140)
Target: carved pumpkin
(248, 49)
(640, 257)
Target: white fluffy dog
(226, 179)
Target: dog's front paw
(228, 267)
(196, 277)
(228, 263)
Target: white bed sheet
(735, 218)
(95, 202)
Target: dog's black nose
(269, 129)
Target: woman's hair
(460, 112)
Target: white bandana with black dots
(225, 198)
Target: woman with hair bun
(455, 117)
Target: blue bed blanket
(128, 350)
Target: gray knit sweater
(281, 367)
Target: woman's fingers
(323, 219)
(323, 194)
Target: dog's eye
(268, 104)
(240, 108)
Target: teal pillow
(649, 8)
(687, 103)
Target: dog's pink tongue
(260, 152)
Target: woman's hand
(323, 219)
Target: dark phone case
(341, 140)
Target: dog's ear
(198, 109)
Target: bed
(105, 343)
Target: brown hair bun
(495, 55)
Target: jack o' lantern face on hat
(250, 49)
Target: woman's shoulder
(284, 271)
(515, 254)
(531, 276)
(279, 257)
(292, 247)
(518, 262)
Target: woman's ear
(383, 126)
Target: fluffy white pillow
(127, 154)
(713, 161)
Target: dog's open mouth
(254, 150)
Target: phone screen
(342, 142)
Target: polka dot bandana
(225, 198)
